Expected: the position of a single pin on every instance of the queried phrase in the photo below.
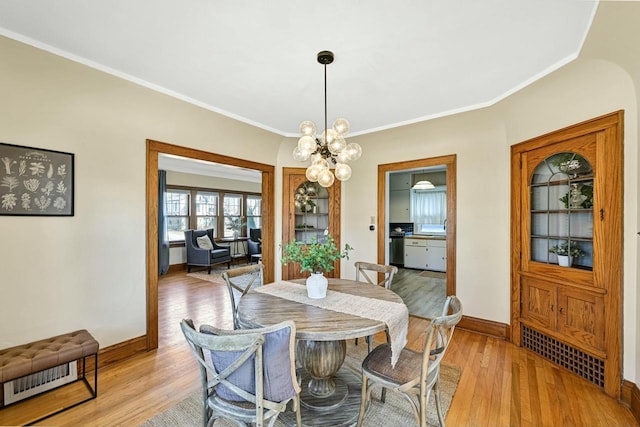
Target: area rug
(215, 276)
(395, 412)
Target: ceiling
(395, 62)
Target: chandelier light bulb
(326, 178)
(342, 156)
(328, 136)
(313, 171)
(307, 144)
(308, 128)
(337, 145)
(354, 151)
(343, 171)
(299, 155)
(341, 126)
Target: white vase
(564, 261)
(317, 286)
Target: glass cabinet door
(311, 207)
(561, 191)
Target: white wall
(59, 274)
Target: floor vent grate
(33, 384)
(580, 363)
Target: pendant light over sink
(328, 148)
(423, 185)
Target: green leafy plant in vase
(235, 225)
(566, 254)
(316, 258)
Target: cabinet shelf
(582, 178)
(572, 238)
(562, 211)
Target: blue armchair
(201, 256)
(254, 243)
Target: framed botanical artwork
(35, 181)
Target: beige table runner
(393, 314)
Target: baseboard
(485, 327)
(631, 398)
(121, 351)
(177, 267)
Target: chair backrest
(369, 272)
(439, 335)
(249, 365)
(255, 234)
(191, 237)
(239, 282)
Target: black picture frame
(35, 181)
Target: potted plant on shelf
(317, 258)
(565, 254)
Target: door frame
(450, 161)
(154, 148)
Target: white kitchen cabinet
(425, 254)
(399, 203)
(415, 253)
(436, 255)
(399, 181)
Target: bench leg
(92, 390)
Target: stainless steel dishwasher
(396, 248)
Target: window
(177, 211)
(207, 211)
(254, 212)
(200, 208)
(429, 208)
(232, 215)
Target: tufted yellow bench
(26, 359)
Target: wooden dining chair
(239, 282)
(248, 375)
(370, 273)
(415, 373)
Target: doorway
(449, 164)
(154, 148)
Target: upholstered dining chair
(416, 373)
(370, 273)
(239, 282)
(248, 375)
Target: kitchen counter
(427, 237)
(425, 252)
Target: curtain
(163, 242)
(430, 207)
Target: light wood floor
(424, 292)
(501, 385)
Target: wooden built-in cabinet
(567, 194)
(309, 212)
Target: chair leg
(188, 269)
(436, 394)
(363, 401)
(209, 270)
(298, 412)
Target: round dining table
(329, 396)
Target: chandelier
(330, 148)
